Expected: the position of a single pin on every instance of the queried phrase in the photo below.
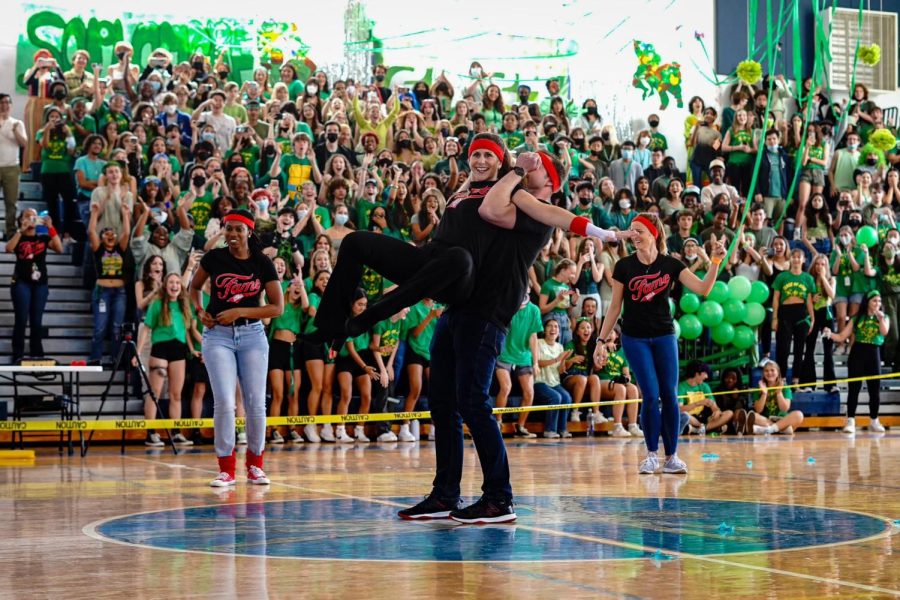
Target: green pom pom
(749, 71)
(883, 139)
(869, 55)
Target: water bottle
(41, 228)
(414, 428)
(590, 424)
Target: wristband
(52, 232)
(716, 260)
(604, 235)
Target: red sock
(226, 464)
(254, 460)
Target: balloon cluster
(730, 311)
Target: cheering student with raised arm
(235, 349)
(643, 282)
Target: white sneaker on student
(431, 433)
(574, 416)
(311, 434)
(649, 465)
(327, 433)
(850, 425)
(405, 434)
(675, 465)
(242, 438)
(387, 436)
(275, 438)
(154, 440)
(296, 437)
(635, 431)
(180, 440)
(598, 418)
(619, 432)
(340, 435)
(876, 426)
(361, 434)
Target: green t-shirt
(844, 276)
(517, 349)
(512, 138)
(55, 157)
(201, 210)
(176, 330)
(314, 300)
(295, 172)
(771, 408)
(862, 283)
(360, 343)
(553, 288)
(120, 119)
(740, 138)
(866, 331)
(890, 281)
(794, 286)
(689, 394)
(579, 369)
(614, 367)
(658, 142)
(817, 152)
(363, 209)
(421, 344)
(389, 335)
(89, 125)
(372, 284)
(290, 319)
(250, 154)
(236, 112)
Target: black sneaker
(485, 511)
(431, 507)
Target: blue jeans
(29, 300)
(464, 353)
(654, 364)
(556, 420)
(112, 303)
(237, 355)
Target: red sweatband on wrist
(648, 224)
(551, 170)
(240, 219)
(52, 232)
(486, 144)
(579, 225)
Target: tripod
(127, 352)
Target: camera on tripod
(128, 331)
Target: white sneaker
(574, 416)
(649, 465)
(296, 437)
(759, 430)
(223, 479)
(635, 431)
(387, 436)
(361, 434)
(311, 434)
(275, 438)
(179, 439)
(340, 435)
(566, 434)
(598, 418)
(242, 438)
(154, 441)
(876, 426)
(789, 430)
(850, 425)
(327, 433)
(619, 432)
(431, 433)
(551, 435)
(675, 465)
(405, 434)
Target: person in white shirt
(12, 139)
(718, 186)
(212, 112)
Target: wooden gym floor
(766, 517)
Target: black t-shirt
(31, 258)
(285, 246)
(501, 256)
(646, 294)
(236, 283)
(109, 265)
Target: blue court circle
(548, 529)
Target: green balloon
(719, 292)
(689, 302)
(739, 287)
(735, 311)
(671, 307)
(744, 337)
(710, 313)
(677, 326)
(867, 235)
(723, 333)
(755, 314)
(691, 328)
(759, 292)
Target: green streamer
(751, 27)
(798, 54)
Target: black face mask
(270, 151)
(202, 155)
(855, 223)
(523, 98)
(585, 200)
(654, 123)
(595, 152)
(445, 132)
(590, 110)
(198, 66)
(550, 133)
(331, 137)
(59, 94)
(577, 141)
(120, 55)
(605, 136)
(404, 144)
(198, 180)
(871, 161)
(223, 74)
(384, 162)
(379, 78)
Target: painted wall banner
(246, 42)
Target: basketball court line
(90, 530)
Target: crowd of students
(139, 163)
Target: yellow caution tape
(811, 384)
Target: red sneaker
(226, 472)
(255, 473)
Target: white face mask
(645, 141)
(312, 90)
(301, 214)
(624, 203)
(846, 239)
(263, 205)
(171, 109)
(160, 217)
(341, 219)
(894, 240)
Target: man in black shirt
(330, 146)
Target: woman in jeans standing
(643, 281)
(29, 289)
(235, 349)
(108, 247)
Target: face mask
(379, 78)
(59, 94)
(120, 55)
(202, 155)
(605, 136)
(341, 219)
(645, 141)
(312, 90)
(171, 109)
(585, 200)
(198, 180)
(475, 72)
(445, 132)
(404, 144)
(590, 111)
(654, 123)
(206, 136)
(772, 147)
(301, 214)
(155, 86)
(263, 204)
(198, 65)
(595, 152)
(577, 141)
(871, 161)
(331, 137)
(855, 223)
(523, 98)
(853, 147)
(624, 204)
(627, 154)
(384, 162)
(160, 217)
(223, 74)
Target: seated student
(772, 408)
(698, 400)
(547, 387)
(615, 384)
(734, 400)
(579, 375)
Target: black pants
(765, 334)
(793, 325)
(739, 175)
(58, 186)
(434, 271)
(823, 320)
(864, 360)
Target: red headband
(240, 219)
(551, 170)
(486, 144)
(648, 224)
